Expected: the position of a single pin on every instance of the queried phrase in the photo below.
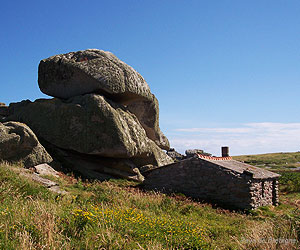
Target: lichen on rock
(19, 144)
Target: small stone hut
(221, 180)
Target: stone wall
(275, 198)
(204, 180)
(264, 192)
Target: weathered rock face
(101, 168)
(45, 169)
(148, 114)
(3, 109)
(91, 71)
(175, 155)
(103, 120)
(19, 143)
(90, 124)
(193, 152)
(96, 71)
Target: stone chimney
(225, 151)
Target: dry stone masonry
(220, 180)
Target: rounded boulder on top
(100, 72)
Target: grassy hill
(117, 214)
(274, 161)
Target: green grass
(290, 181)
(118, 215)
(274, 161)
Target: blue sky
(225, 72)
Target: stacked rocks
(194, 152)
(103, 119)
(175, 155)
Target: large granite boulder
(91, 71)
(19, 143)
(90, 124)
(96, 71)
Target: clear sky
(225, 72)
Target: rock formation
(96, 71)
(103, 120)
(19, 144)
(88, 124)
(91, 71)
(193, 152)
(3, 111)
(175, 155)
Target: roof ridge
(214, 158)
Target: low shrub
(290, 181)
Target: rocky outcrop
(88, 124)
(95, 167)
(147, 111)
(96, 71)
(103, 120)
(45, 169)
(38, 176)
(3, 110)
(19, 143)
(193, 152)
(94, 134)
(91, 71)
(175, 155)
